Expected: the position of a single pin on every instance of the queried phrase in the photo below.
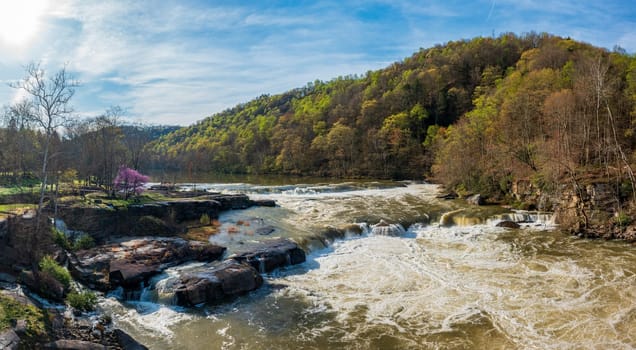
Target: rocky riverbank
(590, 207)
(134, 244)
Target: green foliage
(388, 111)
(49, 266)
(535, 122)
(11, 310)
(82, 301)
(60, 239)
(622, 219)
(83, 241)
(205, 219)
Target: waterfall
(383, 228)
(525, 217)
(261, 264)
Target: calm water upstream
(450, 279)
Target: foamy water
(439, 285)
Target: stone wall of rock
(21, 243)
(589, 208)
(102, 223)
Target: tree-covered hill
(477, 112)
(376, 125)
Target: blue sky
(176, 62)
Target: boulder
(9, 340)
(508, 224)
(269, 255)
(447, 196)
(127, 342)
(130, 273)
(229, 279)
(476, 199)
(264, 202)
(130, 262)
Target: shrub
(60, 239)
(205, 219)
(82, 301)
(84, 241)
(50, 266)
(622, 219)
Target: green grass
(16, 206)
(146, 197)
(12, 310)
(7, 191)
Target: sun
(20, 21)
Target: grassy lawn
(102, 200)
(6, 191)
(16, 206)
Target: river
(444, 277)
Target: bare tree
(50, 98)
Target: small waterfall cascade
(60, 225)
(160, 290)
(261, 264)
(383, 228)
(458, 218)
(525, 217)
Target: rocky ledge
(238, 274)
(270, 255)
(131, 262)
(158, 218)
(227, 280)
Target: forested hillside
(475, 114)
(378, 125)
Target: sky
(177, 62)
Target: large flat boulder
(130, 262)
(9, 340)
(229, 279)
(270, 255)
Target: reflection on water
(462, 284)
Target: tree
(51, 109)
(130, 181)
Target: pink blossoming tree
(130, 181)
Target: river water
(440, 276)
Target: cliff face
(160, 218)
(592, 209)
(596, 210)
(21, 242)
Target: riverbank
(116, 258)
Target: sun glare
(20, 21)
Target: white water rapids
(446, 282)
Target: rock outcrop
(508, 224)
(159, 218)
(9, 340)
(269, 255)
(229, 279)
(476, 199)
(130, 262)
(238, 274)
